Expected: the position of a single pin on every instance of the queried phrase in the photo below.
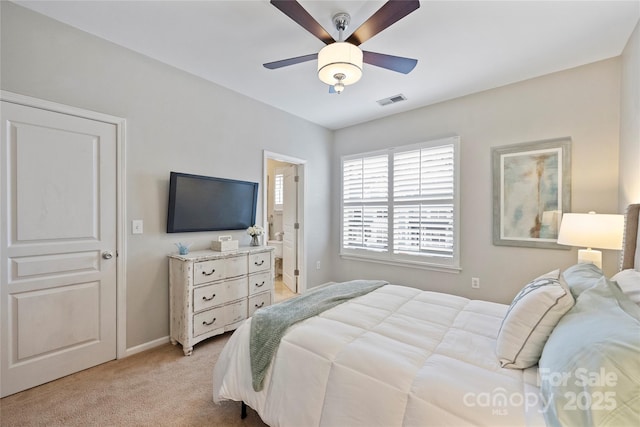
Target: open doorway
(284, 221)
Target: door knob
(107, 254)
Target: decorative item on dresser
(255, 232)
(213, 292)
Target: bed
(398, 356)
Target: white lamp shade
(592, 230)
(340, 58)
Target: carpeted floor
(158, 387)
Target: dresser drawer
(208, 321)
(258, 301)
(235, 312)
(259, 262)
(260, 282)
(236, 266)
(219, 293)
(208, 271)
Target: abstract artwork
(531, 190)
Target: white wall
(175, 121)
(582, 103)
(179, 122)
(630, 122)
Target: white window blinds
(423, 190)
(400, 205)
(365, 195)
(278, 190)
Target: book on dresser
(212, 292)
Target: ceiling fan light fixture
(340, 58)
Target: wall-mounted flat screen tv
(205, 203)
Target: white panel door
(58, 284)
(289, 219)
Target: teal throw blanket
(269, 324)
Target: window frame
(388, 256)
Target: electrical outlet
(317, 265)
(136, 226)
(475, 282)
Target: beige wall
(582, 103)
(630, 122)
(175, 121)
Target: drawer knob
(209, 299)
(209, 274)
(259, 263)
(260, 305)
(260, 285)
(209, 323)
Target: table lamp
(591, 230)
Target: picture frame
(531, 191)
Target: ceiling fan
(340, 61)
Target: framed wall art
(531, 191)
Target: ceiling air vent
(392, 99)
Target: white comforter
(397, 356)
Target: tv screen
(204, 203)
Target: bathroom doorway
(284, 221)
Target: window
(400, 205)
(278, 191)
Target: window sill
(403, 263)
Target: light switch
(136, 226)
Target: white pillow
(529, 321)
(629, 282)
(553, 274)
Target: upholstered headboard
(630, 257)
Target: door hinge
(296, 272)
(296, 226)
(296, 178)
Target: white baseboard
(146, 346)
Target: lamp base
(590, 256)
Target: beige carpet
(159, 387)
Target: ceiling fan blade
(394, 63)
(390, 13)
(290, 61)
(295, 11)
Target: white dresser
(212, 292)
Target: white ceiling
(461, 47)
